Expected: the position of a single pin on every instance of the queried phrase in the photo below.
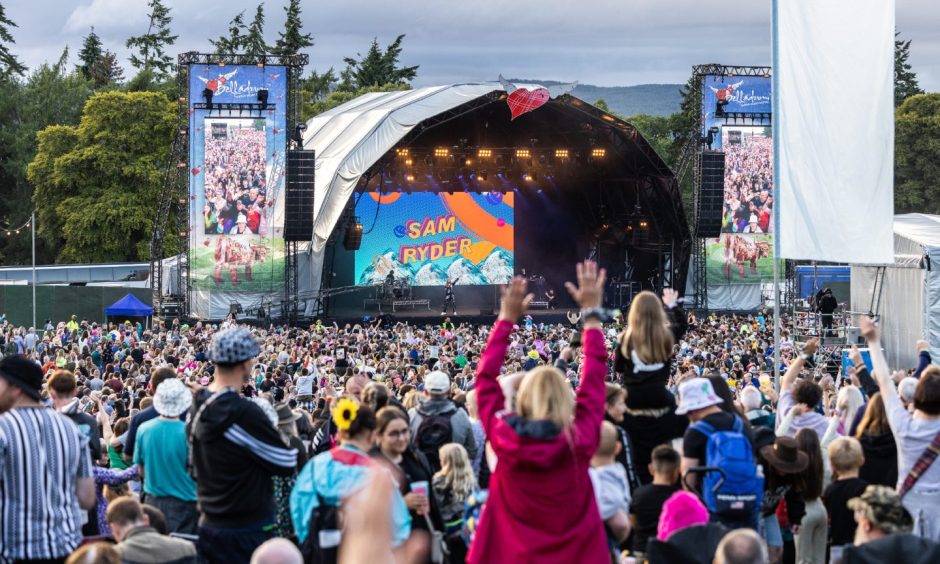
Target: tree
(234, 42)
(376, 68)
(310, 108)
(51, 94)
(254, 44)
(292, 40)
(916, 146)
(10, 66)
(106, 71)
(90, 53)
(151, 47)
(905, 79)
(601, 104)
(316, 86)
(97, 184)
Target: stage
(423, 316)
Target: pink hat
(680, 511)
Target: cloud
(106, 15)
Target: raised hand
(868, 328)
(855, 355)
(922, 345)
(589, 293)
(670, 297)
(515, 300)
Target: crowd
(660, 436)
(748, 185)
(235, 186)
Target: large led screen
(430, 238)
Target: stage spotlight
(207, 95)
(720, 107)
(410, 177)
(481, 176)
(561, 153)
(644, 224)
(409, 162)
(441, 152)
(263, 97)
(528, 176)
(522, 153)
(468, 162)
(598, 153)
(485, 153)
(402, 152)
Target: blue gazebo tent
(128, 306)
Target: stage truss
(689, 161)
(171, 226)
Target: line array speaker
(711, 195)
(298, 204)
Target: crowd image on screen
(385, 439)
(235, 179)
(748, 184)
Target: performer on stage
(449, 295)
(550, 298)
(390, 279)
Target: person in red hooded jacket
(541, 504)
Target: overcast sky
(602, 42)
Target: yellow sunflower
(344, 413)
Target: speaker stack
(298, 205)
(711, 195)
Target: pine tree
(316, 86)
(234, 42)
(292, 39)
(9, 65)
(376, 68)
(90, 53)
(254, 44)
(106, 71)
(151, 56)
(905, 79)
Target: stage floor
(423, 316)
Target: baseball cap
(882, 506)
(696, 393)
(437, 382)
(22, 373)
(233, 346)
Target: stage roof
(351, 138)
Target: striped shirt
(42, 455)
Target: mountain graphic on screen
(497, 267)
(376, 272)
(466, 271)
(430, 275)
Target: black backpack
(434, 432)
(323, 535)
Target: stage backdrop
(834, 129)
(236, 189)
(429, 238)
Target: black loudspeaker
(711, 195)
(298, 204)
(352, 239)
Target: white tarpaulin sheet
(834, 129)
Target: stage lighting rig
(484, 153)
(710, 138)
(298, 135)
(441, 152)
(561, 153)
(598, 153)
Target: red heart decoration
(212, 85)
(195, 171)
(523, 100)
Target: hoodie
(881, 459)
(235, 452)
(541, 505)
(460, 427)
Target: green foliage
(316, 86)
(905, 79)
(254, 44)
(601, 105)
(106, 72)
(90, 53)
(97, 184)
(10, 66)
(151, 56)
(292, 40)
(376, 68)
(916, 146)
(51, 94)
(235, 40)
(308, 109)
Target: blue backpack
(735, 492)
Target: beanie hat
(22, 373)
(681, 510)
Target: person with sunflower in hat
(333, 476)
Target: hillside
(653, 99)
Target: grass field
(715, 263)
(267, 276)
